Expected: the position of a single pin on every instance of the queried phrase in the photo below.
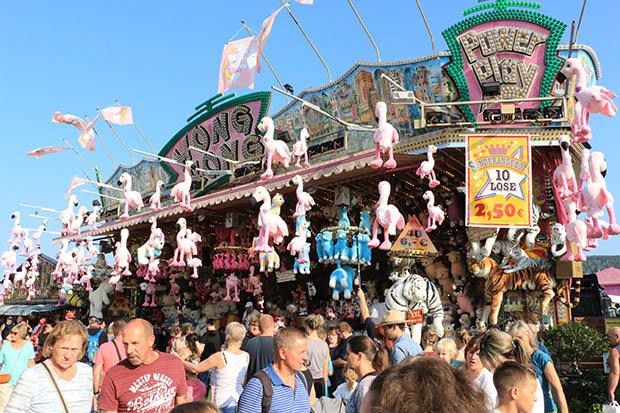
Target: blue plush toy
(365, 220)
(341, 281)
(319, 246)
(353, 251)
(327, 245)
(341, 250)
(305, 256)
(365, 252)
(343, 218)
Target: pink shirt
(108, 356)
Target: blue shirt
(284, 400)
(539, 362)
(404, 347)
(15, 361)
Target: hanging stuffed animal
(133, 199)
(576, 232)
(564, 179)
(269, 261)
(271, 226)
(341, 281)
(558, 240)
(385, 138)
(186, 248)
(341, 249)
(93, 216)
(17, 230)
(149, 291)
(181, 191)
(297, 244)
(326, 246)
(232, 283)
(305, 202)
(155, 199)
(302, 262)
(99, 299)
(151, 249)
(427, 168)
(388, 216)
(300, 148)
(275, 150)
(85, 279)
(68, 215)
(122, 258)
(435, 213)
(594, 99)
(76, 224)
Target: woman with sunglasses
(16, 355)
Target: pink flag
(119, 115)
(263, 35)
(75, 182)
(238, 65)
(87, 137)
(306, 2)
(37, 153)
(68, 119)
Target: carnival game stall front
(447, 187)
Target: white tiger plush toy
(558, 240)
(416, 292)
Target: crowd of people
(257, 366)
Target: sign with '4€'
(499, 184)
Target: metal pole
(79, 155)
(428, 29)
(118, 137)
(365, 29)
(290, 13)
(583, 8)
(105, 148)
(262, 54)
(144, 138)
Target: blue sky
(162, 58)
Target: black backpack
(306, 379)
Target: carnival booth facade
(447, 187)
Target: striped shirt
(35, 392)
(284, 400)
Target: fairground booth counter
(447, 185)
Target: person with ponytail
(542, 364)
(497, 347)
(367, 357)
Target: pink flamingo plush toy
(271, 226)
(133, 199)
(435, 214)
(181, 191)
(305, 202)
(17, 230)
(232, 283)
(93, 215)
(564, 176)
(594, 99)
(385, 137)
(122, 258)
(186, 248)
(155, 199)
(67, 215)
(576, 232)
(275, 150)
(297, 244)
(386, 215)
(300, 148)
(594, 194)
(427, 168)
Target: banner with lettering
(498, 179)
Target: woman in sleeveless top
(231, 365)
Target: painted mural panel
(144, 180)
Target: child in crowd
(516, 388)
(446, 350)
(345, 389)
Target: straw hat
(393, 317)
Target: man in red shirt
(109, 354)
(147, 381)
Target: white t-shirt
(485, 382)
(343, 391)
(35, 393)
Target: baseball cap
(249, 304)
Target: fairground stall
(447, 186)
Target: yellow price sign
(498, 179)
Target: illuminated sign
(226, 129)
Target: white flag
(119, 115)
(306, 2)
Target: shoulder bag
(53, 380)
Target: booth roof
(29, 309)
(609, 277)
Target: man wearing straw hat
(394, 327)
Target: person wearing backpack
(96, 337)
(281, 387)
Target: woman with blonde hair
(61, 383)
(543, 366)
(16, 355)
(318, 353)
(230, 367)
(497, 347)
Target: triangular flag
(37, 153)
(87, 137)
(75, 182)
(413, 241)
(119, 115)
(238, 65)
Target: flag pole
(105, 148)
(43, 217)
(118, 136)
(79, 155)
(102, 195)
(144, 138)
(172, 161)
(290, 13)
(428, 29)
(365, 29)
(262, 54)
(40, 208)
(583, 8)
